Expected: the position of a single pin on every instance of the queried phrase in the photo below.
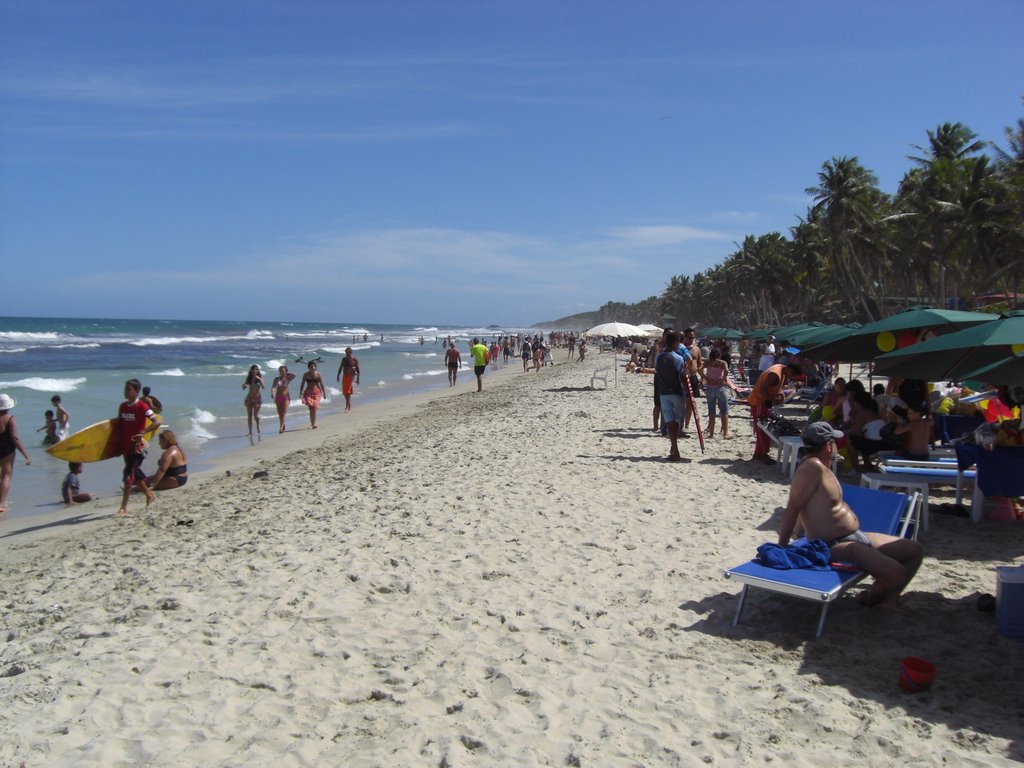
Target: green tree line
(952, 234)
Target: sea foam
(45, 385)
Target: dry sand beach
(509, 578)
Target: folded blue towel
(812, 554)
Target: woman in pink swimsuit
(279, 388)
(253, 398)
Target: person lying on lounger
(816, 510)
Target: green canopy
(787, 332)
(717, 332)
(825, 333)
(1006, 373)
(954, 355)
(874, 339)
(730, 334)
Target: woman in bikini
(253, 398)
(716, 384)
(312, 390)
(172, 471)
(279, 388)
(9, 443)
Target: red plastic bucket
(916, 674)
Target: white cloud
(665, 234)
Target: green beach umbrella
(872, 340)
(955, 355)
(730, 334)
(1006, 373)
(718, 332)
(787, 332)
(820, 335)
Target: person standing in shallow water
(9, 443)
(282, 398)
(61, 416)
(348, 375)
(133, 416)
(453, 360)
(312, 391)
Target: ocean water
(196, 369)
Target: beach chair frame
(879, 511)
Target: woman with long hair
(279, 389)
(253, 398)
(716, 384)
(172, 471)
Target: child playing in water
(70, 491)
(50, 427)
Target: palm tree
(848, 197)
(936, 195)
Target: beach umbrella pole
(693, 410)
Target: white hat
(7, 402)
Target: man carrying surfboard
(133, 418)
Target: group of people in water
(136, 417)
(312, 389)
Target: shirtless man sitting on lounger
(816, 510)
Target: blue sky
(449, 162)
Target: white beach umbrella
(650, 330)
(615, 329)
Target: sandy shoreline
(510, 578)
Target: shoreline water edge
(196, 369)
(511, 577)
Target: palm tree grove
(952, 235)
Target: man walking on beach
(453, 360)
(479, 353)
(694, 371)
(348, 375)
(816, 510)
(133, 419)
(669, 369)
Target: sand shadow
(573, 389)
(633, 433)
(975, 689)
(88, 517)
(636, 459)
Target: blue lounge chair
(879, 511)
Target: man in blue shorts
(669, 368)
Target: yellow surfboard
(95, 443)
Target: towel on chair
(812, 554)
